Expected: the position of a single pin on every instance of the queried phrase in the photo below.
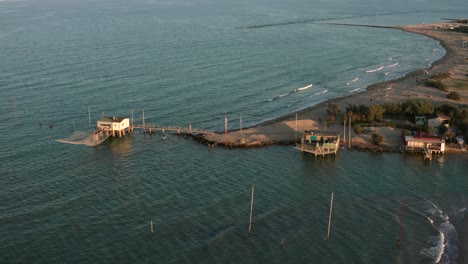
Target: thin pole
(132, 117)
(152, 231)
(282, 242)
(349, 142)
(344, 130)
(144, 120)
(295, 131)
(240, 120)
(329, 217)
(251, 208)
(225, 125)
(401, 221)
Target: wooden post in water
(225, 125)
(282, 242)
(329, 217)
(144, 125)
(401, 222)
(240, 121)
(251, 208)
(152, 231)
(349, 142)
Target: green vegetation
(442, 76)
(454, 96)
(376, 139)
(436, 84)
(332, 110)
(436, 81)
(374, 115)
(357, 129)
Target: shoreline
(284, 129)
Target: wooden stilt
(282, 242)
(251, 208)
(329, 217)
(152, 230)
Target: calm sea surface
(193, 62)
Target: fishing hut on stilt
(319, 142)
(115, 126)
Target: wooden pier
(174, 129)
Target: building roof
(321, 133)
(424, 138)
(111, 119)
(434, 116)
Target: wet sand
(285, 129)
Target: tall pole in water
(240, 121)
(330, 217)
(132, 117)
(225, 125)
(144, 125)
(251, 208)
(349, 142)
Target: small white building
(421, 142)
(114, 125)
(437, 120)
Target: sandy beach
(285, 130)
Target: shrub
(454, 96)
(441, 76)
(376, 139)
(436, 84)
(357, 129)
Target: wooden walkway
(177, 129)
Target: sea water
(193, 63)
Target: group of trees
(363, 115)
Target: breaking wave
(375, 70)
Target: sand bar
(285, 130)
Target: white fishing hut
(114, 125)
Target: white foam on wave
(353, 80)
(355, 90)
(375, 70)
(447, 234)
(305, 87)
(393, 65)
